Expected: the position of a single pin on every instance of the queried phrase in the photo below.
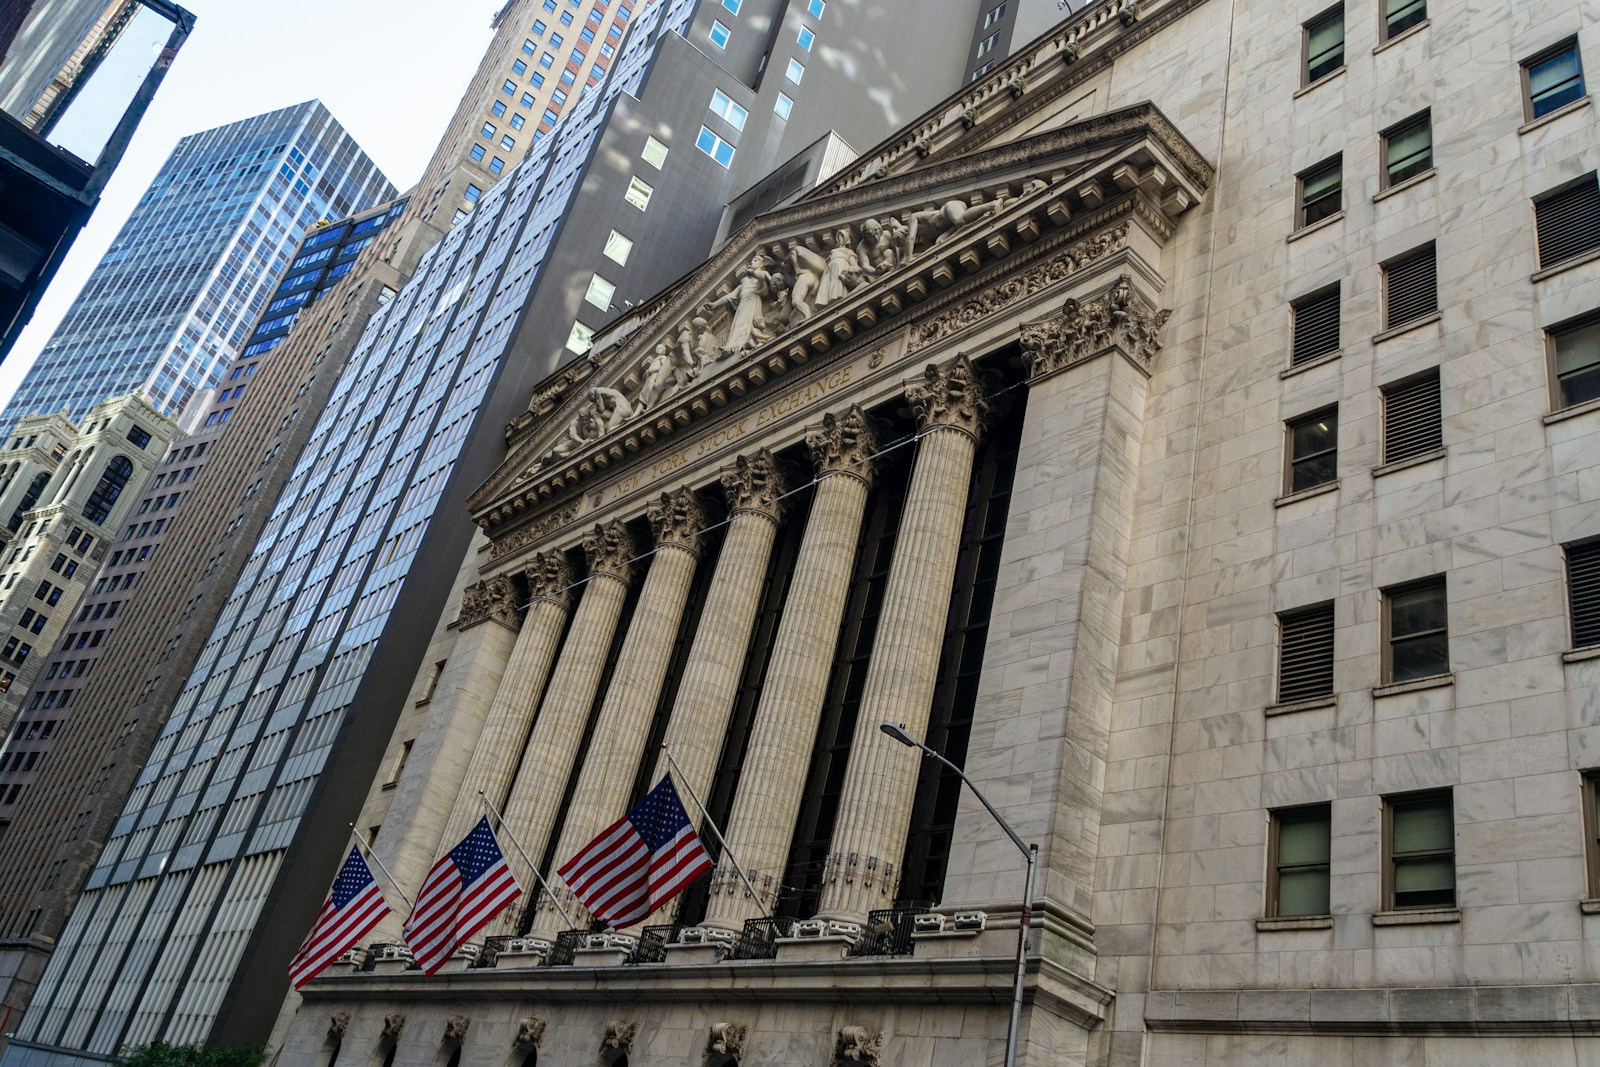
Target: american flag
(467, 887)
(355, 905)
(640, 862)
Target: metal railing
(759, 941)
(653, 942)
(887, 933)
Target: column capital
(753, 484)
(1118, 319)
(493, 598)
(677, 519)
(844, 444)
(611, 549)
(951, 397)
(550, 577)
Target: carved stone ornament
(726, 1039)
(855, 1045)
(844, 444)
(677, 519)
(492, 598)
(338, 1024)
(455, 1028)
(550, 577)
(611, 549)
(524, 536)
(950, 396)
(619, 1035)
(530, 1031)
(1119, 320)
(754, 483)
(393, 1024)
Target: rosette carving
(950, 396)
(844, 444)
(677, 519)
(493, 598)
(754, 483)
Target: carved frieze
(611, 550)
(855, 1045)
(677, 519)
(951, 396)
(844, 444)
(754, 484)
(532, 533)
(1117, 320)
(530, 1031)
(550, 577)
(493, 598)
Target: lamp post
(1029, 852)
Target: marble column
(623, 725)
(698, 728)
(881, 776)
(552, 749)
(494, 761)
(768, 799)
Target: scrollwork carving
(338, 1023)
(550, 577)
(611, 550)
(530, 1031)
(754, 483)
(455, 1028)
(856, 1045)
(1119, 319)
(393, 1025)
(844, 444)
(619, 1035)
(726, 1039)
(677, 519)
(950, 396)
(493, 598)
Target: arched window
(106, 491)
(29, 499)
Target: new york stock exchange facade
(936, 445)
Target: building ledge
(1400, 187)
(1417, 917)
(1294, 922)
(1409, 461)
(1544, 120)
(1307, 494)
(1573, 412)
(1300, 368)
(1401, 36)
(1589, 907)
(1302, 705)
(1319, 83)
(1406, 327)
(1578, 655)
(1436, 681)
(1579, 260)
(1320, 224)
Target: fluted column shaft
(768, 799)
(881, 777)
(505, 730)
(620, 732)
(552, 749)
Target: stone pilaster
(552, 749)
(785, 727)
(620, 731)
(505, 731)
(699, 724)
(881, 778)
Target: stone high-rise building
(1190, 429)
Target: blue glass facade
(169, 304)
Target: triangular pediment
(805, 278)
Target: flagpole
(523, 853)
(367, 847)
(667, 752)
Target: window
(1300, 842)
(527, 98)
(1410, 288)
(815, 8)
(519, 68)
(1407, 150)
(547, 61)
(472, 194)
(1553, 78)
(714, 146)
(600, 292)
(116, 474)
(509, 87)
(805, 39)
(1315, 326)
(1568, 221)
(618, 247)
(499, 107)
(487, 131)
(556, 39)
(1417, 641)
(783, 106)
(1412, 422)
(507, 142)
(1591, 824)
(549, 117)
(1323, 40)
(1575, 360)
(1305, 654)
(581, 339)
(1320, 191)
(795, 72)
(139, 436)
(725, 108)
(638, 193)
(655, 154)
(733, 5)
(1313, 450)
(720, 34)
(517, 122)
(1583, 592)
(987, 44)
(1419, 851)
(1400, 15)
(496, 165)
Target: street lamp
(1029, 852)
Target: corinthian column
(505, 731)
(881, 778)
(621, 729)
(698, 727)
(768, 800)
(552, 749)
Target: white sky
(392, 72)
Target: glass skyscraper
(170, 303)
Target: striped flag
(355, 905)
(640, 862)
(467, 887)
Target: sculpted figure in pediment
(665, 373)
(807, 266)
(841, 270)
(936, 225)
(747, 305)
(881, 246)
(611, 408)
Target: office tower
(1206, 478)
(415, 421)
(76, 77)
(169, 304)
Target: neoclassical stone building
(1189, 429)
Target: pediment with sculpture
(821, 274)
